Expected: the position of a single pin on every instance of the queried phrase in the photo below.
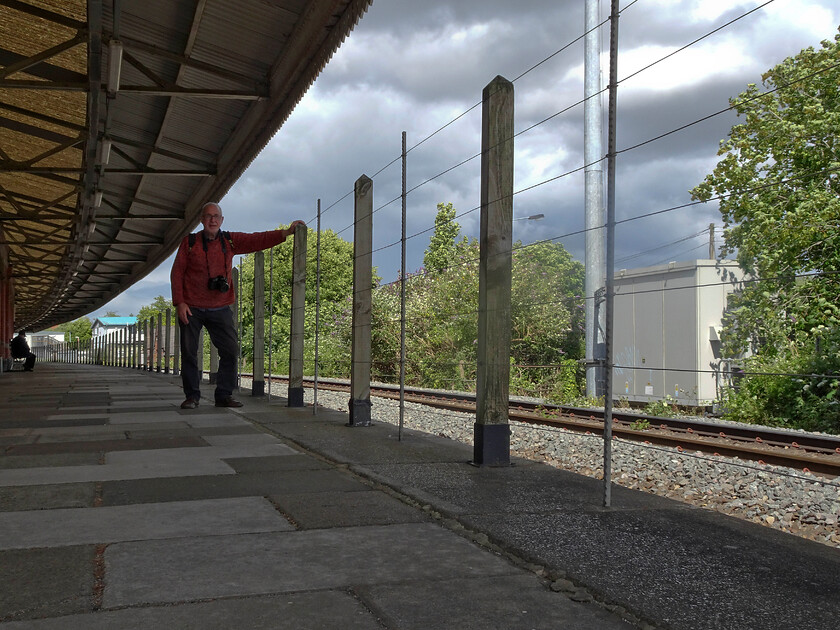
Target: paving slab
(51, 582)
(47, 497)
(42, 456)
(160, 571)
(269, 463)
(68, 527)
(214, 420)
(288, 611)
(473, 604)
(261, 483)
(117, 417)
(153, 464)
(77, 421)
(323, 510)
(67, 453)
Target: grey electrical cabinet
(665, 333)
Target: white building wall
(662, 344)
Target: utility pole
(594, 202)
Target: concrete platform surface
(120, 510)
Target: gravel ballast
(799, 503)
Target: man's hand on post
(291, 229)
(184, 312)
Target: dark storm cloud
(417, 66)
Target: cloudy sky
(417, 66)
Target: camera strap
(223, 236)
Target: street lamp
(533, 217)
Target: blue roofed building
(105, 325)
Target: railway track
(814, 453)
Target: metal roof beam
(58, 18)
(185, 60)
(42, 117)
(192, 92)
(24, 64)
(38, 132)
(30, 84)
(18, 167)
(155, 149)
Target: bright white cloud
(688, 67)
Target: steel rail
(813, 453)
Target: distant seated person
(20, 350)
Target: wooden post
(168, 343)
(258, 383)
(491, 446)
(296, 326)
(147, 345)
(362, 281)
(214, 358)
(159, 343)
(176, 361)
(200, 355)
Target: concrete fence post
(491, 446)
(296, 326)
(362, 281)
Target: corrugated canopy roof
(102, 175)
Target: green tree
(443, 246)
(779, 193)
(158, 306)
(78, 329)
(336, 289)
(111, 314)
(442, 320)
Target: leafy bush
(796, 389)
(665, 408)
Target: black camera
(219, 283)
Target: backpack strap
(225, 235)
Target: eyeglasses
(212, 217)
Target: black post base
(213, 376)
(491, 445)
(295, 397)
(359, 413)
(258, 388)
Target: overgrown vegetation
(441, 313)
(778, 188)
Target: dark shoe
(189, 403)
(230, 401)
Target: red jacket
(190, 270)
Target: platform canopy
(119, 119)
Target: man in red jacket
(202, 294)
